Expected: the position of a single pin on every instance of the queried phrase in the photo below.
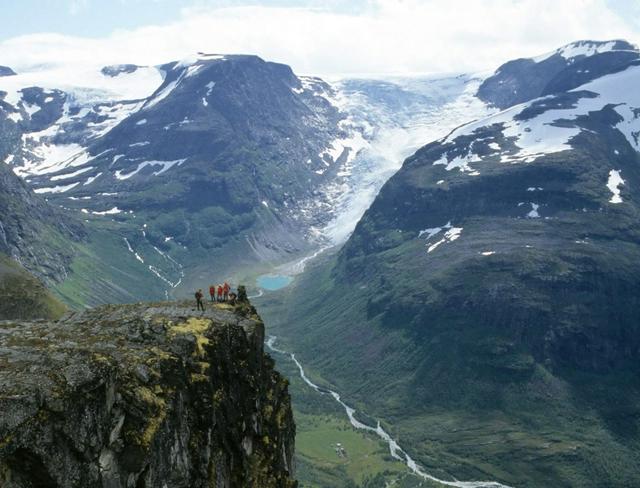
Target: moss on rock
(143, 395)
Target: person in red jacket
(225, 291)
(212, 292)
(219, 293)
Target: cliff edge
(141, 396)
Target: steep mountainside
(220, 152)
(487, 303)
(144, 396)
(33, 232)
(215, 155)
(24, 297)
(226, 143)
(215, 163)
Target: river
(396, 451)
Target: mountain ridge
(524, 79)
(494, 279)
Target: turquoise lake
(273, 282)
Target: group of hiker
(219, 293)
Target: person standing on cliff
(225, 291)
(219, 293)
(212, 292)
(199, 302)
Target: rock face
(6, 71)
(231, 155)
(222, 153)
(143, 396)
(34, 233)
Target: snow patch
(56, 189)
(70, 175)
(164, 93)
(533, 214)
(451, 235)
(430, 232)
(31, 108)
(573, 50)
(164, 166)
(52, 158)
(113, 211)
(91, 179)
(458, 162)
(613, 184)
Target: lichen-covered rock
(143, 396)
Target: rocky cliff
(152, 395)
(37, 235)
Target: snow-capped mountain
(194, 152)
(398, 115)
(565, 68)
(494, 279)
(234, 155)
(231, 140)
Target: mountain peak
(586, 48)
(6, 71)
(567, 67)
(118, 69)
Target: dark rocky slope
(34, 233)
(218, 159)
(22, 296)
(231, 156)
(144, 396)
(6, 71)
(487, 302)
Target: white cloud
(389, 36)
(76, 6)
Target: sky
(323, 37)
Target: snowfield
(163, 165)
(613, 184)
(573, 50)
(389, 136)
(542, 134)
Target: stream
(394, 448)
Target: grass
(22, 296)
(318, 441)
(321, 425)
(104, 271)
(462, 396)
